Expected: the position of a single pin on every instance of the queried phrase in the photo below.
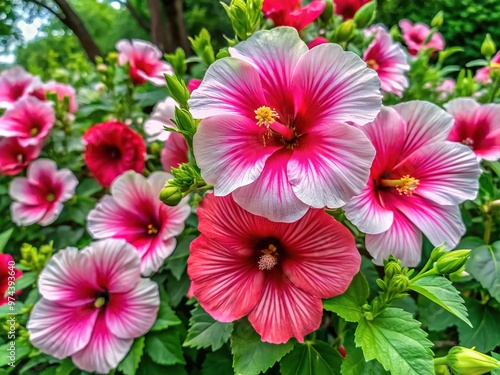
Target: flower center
(102, 298)
(269, 258)
(152, 229)
(113, 152)
(372, 64)
(34, 132)
(468, 142)
(50, 197)
(405, 185)
(267, 117)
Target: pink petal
(230, 151)
(332, 85)
(271, 195)
(230, 86)
(157, 180)
(330, 165)
(68, 183)
(153, 257)
(21, 190)
(304, 16)
(131, 190)
(23, 214)
(285, 311)
(52, 213)
(60, 330)
(322, 257)
(133, 313)
(162, 116)
(40, 170)
(220, 275)
(104, 351)
(462, 109)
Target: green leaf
(311, 359)
(4, 238)
(250, 354)
(354, 364)
(148, 367)
(348, 305)
(496, 356)
(178, 260)
(88, 187)
(440, 290)
(66, 367)
(369, 271)
(395, 339)
(130, 363)
(433, 316)
(165, 347)
(219, 362)
(166, 316)
(485, 335)
(205, 331)
(484, 265)
(26, 280)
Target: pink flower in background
(14, 158)
(348, 8)
(446, 88)
(417, 181)
(62, 90)
(483, 74)
(111, 149)
(38, 197)
(273, 129)
(135, 213)
(7, 270)
(29, 120)
(174, 152)
(389, 61)
(162, 116)
(316, 42)
(144, 60)
(274, 273)
(476, 126)
(292, 13)
(193, 84)
(415, 35)
(94, 304)
(15, 84)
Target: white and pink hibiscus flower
(476, 126)
(483, 75)
(144, 61)
(417, 181)
(94, 304)
(274, 273)
(134, 212)
(15, 84)
(274, 129)
(415, 36)
(38, 198)
(446, 88)
(162, 116)
(14, 158)
(29, 120)
(389, 61)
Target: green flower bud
(178, 90)
(438, 252)
(488, 48)
(400, 283)
(365, 15)
(327, 13)
(452, 261)
(392, 269)
(438, 20)
(344, 31)
(465, 361)
(170, 195)
(155, 148)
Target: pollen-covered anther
(268, 259)
(265, 116)
(468, 142)
(372, 64)
(152, 229)
(408, 185)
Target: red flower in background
(348, 8)
(291, 13)
(193, 84)
(14, 158)
(111, 149)
(7, 270)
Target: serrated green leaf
(250, 354)
(165, 347)
(4, 238)
(440, 290)
(485, 335)
(130, 363)
(348, 305)
(205, 331)
(496, 356)
(433, 316)
(219, 362)
(354, 364)
(148, 367)
(394, 338)
(166, 316)
(312, 358)
(178, 261)
(484, 265)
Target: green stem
(432, 271)
(441, 361)
(487, 230)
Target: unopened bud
(327, 13)
(170, 195)
(465, 361)
(392, 269)
(344, 31)
(400, 283)
(488, 48)
(101, 68)
(452, 261)
(438, 252)
(438, 20)
(365, 15)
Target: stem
(487, 230)
(432, 271)
(494, 90)
(441, 361)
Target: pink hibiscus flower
(274, 129)
(94, 303)
(483, 74)
(389, 61)
(15, 84)
(144, 60)
(38, 197)
(316, 42)
(111, 149)
(14, 158)
(292, 13)
(174, 152)
(415, 35)
(476, 126)
(62, 90)
(193, 84)
(7, 271)
(135, 213)
(162, 116)
(417, 181)
(446, 88)
(274, 273)
(29, 120)
(348, 8)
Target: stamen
(99, 302)
(468, 142)
(372, 64)
(152, 229)
(265, 116)
(33, 132)
(406, 185)
(50, 197)
(269, 259)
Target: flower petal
(21, 190)
(22, 214)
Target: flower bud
(452, 261)
(400, 283)
(488, 48)
(101, 68)
(392, 269)
(170, 195)
(465, 361)
(438, 252)
(327, 13)
(344, 31)
(365, 15)
(178, 90)
(438, 20)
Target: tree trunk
(158, 34)
(176, 26)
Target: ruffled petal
(154, 255)
(23, 214)
(21, 190)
